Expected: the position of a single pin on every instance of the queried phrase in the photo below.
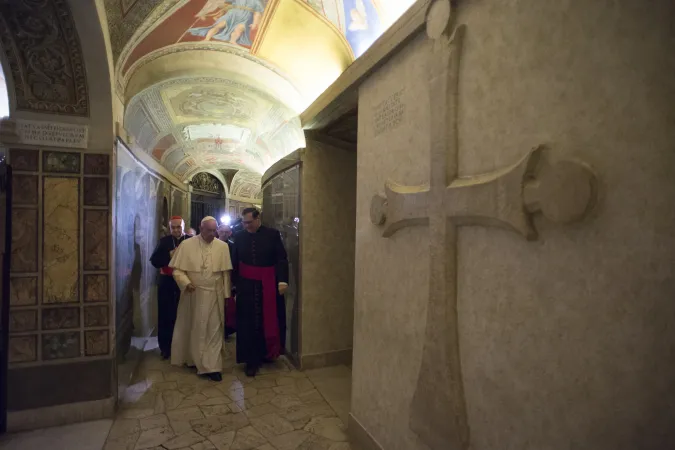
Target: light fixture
(225, 220)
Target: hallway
(171, 408)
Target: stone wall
(328, 193)
(564, 342)
(60, 308)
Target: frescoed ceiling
(219, 84)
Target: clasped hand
(190, 287)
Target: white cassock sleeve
(181, 278)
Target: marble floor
(168, 407)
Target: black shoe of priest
(251, 370)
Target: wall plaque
(52, 134)
(389, 113)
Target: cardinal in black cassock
(260, 274)
(168, 292)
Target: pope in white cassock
(200, 268)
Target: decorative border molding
(66, 33)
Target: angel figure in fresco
(235, 20)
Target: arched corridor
(337, 225)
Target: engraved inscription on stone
(52, 134)
(389, 113)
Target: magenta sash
(267, 275)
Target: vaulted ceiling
(219, 84)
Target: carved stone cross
(562, 191)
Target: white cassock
(199, 331)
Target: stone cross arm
(507, 198)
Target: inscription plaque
(389, 113)
(52, 134)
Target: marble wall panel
(96, 316)
(95, 288)
(23, 320)
(96, 192)
(61, 345)
(25, 190)
(22, 349)
(96, 342)
(60, 318)
(61, 162)
(27, 160)
(95, 240)
(60, 259)
(23, 291)
(96, 164)
(24, 240)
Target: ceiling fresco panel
(45, 56)
(162, 146)
(172, 158)
(233, 22)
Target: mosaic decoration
(23, 291)
(24, 159)
(24, 240)
(25, 190)
(23, 320)
(22, 349)
(95, 288)
(61, 162)
(51, 81)
(95, 316)
(96, 342)
(207, 182)
(95, 240)
(45, 296)
(60, 318)
(96, 164)
(61, 345)
(96, 192)
(61, 238)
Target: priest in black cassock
(168, 292)
(260, 273)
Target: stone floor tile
(185, 414)
(204, 445)
(260, 410)
(124, 427)
(159, 420)
(328, 427)
(222, 441)
(286, 401)
(154, 437)
(271, 425)
(340, 446)
(184, 440)
(219, 424)
(247, 438)
(290, 441)
(170, 407)
(172, 399)
(215, 410)
(180, 426)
